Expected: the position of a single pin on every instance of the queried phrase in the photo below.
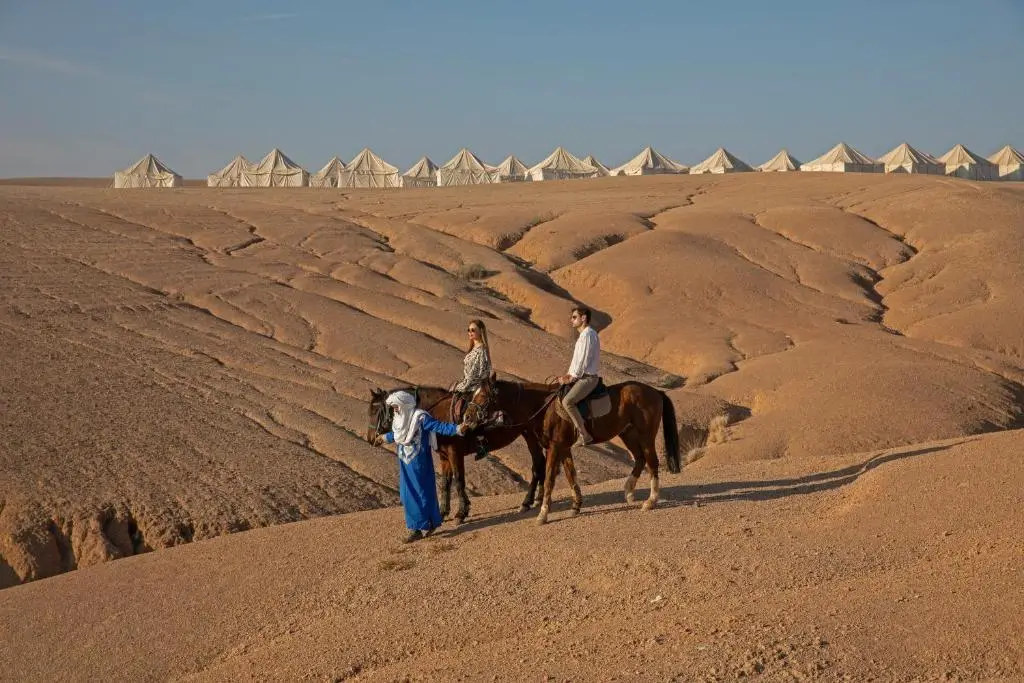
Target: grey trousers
(577, 392)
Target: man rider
(583, 370)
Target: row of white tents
(465, 168)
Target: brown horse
(636, 413)
(452, 451)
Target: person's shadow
(704, 494)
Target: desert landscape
(187, 494)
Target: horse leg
(446, 483)
(570, 475)
(460, 488)
(537, 465)
(651, 455)
(551, 471)
(636, 449)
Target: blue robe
(416, 485)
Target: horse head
(380, 418)
(481, 405)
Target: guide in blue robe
(413, 431)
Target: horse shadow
(703, 494)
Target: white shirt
(586, 357)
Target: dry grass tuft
(717, 432)
(694, 441)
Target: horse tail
(670, 433)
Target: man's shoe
(481, 451)
(414, 535)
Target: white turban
(406, 424)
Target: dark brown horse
(452, 451)
(636, 413)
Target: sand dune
(177, 366)
(894, 565)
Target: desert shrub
(542, 218)
(669, 381)
(472, 271)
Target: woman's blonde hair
(483, 336)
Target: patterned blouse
(476, 367)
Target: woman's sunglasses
(472, 330)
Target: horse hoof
(542, 518)
(630, 498)
(648, 505)
(574, 511)
(524, 508)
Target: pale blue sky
(91, 86)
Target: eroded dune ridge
(179, 365)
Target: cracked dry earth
(179, 366)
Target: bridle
(483, 408)
(380, 423)
(492, 395)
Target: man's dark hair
(583, 311)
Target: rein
(544, 406)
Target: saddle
(597, 403)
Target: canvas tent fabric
(511, 170)
(369, 170)
(963, 163)
(147, 172)
(465, 168)
(275, 170)
(230, 175)
(422, 174)
(843, 159)
(329, 175)
(780, 163)
(561, 165)
(1010, 163)
(602, 170)
(649, 162)
(906, 159)
(722, 161)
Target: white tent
(843, 159)
(602, 170)
(780, 163)
(512, 170)
(649, 162)
(230, 175)
(906, 159)
(465, 168)
(275, 170)
(369, 170)
(147, 172)
(1010, 163)
(722, 161)
(422, 174)
(963, 163)
(561, 165)
(329, 175)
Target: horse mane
(531, 386)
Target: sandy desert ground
(178, 366)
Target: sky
(91, 86)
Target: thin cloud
(37, 61)
(41, 62)
(267, 17)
